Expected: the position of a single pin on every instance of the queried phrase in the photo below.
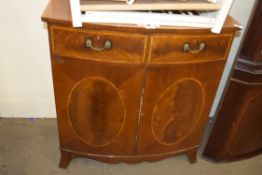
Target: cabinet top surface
(58, 12)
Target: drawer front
(189, 48)
(123, 48)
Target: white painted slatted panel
(76, 13)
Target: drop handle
(107, 45)
(187, 48)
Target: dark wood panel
(246, 138)
(238, 126)
(215, 146)
(237, 131)
(252, 47)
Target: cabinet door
(97, 105)
(179, 91)
(177, 102)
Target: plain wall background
(25, 75)
(26, 88)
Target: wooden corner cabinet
(129, 94)
(237, 132)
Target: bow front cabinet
(129, 94)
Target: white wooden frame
(221, 15)
(76, 13)
(216, 24)
(148, 20)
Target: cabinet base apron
(68, 155)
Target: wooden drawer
(170, 48)
(128, 48)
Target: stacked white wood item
(152, 13)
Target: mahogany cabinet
(237, 132)
(130, 94)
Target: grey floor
(30, 147)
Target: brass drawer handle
(187, 48)
(89, 44)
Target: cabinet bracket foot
(192, 155)
(65, 159)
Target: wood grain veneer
(71, 42)
(168, 48)
(122, 104)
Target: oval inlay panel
(177, 111)
(96, 111)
